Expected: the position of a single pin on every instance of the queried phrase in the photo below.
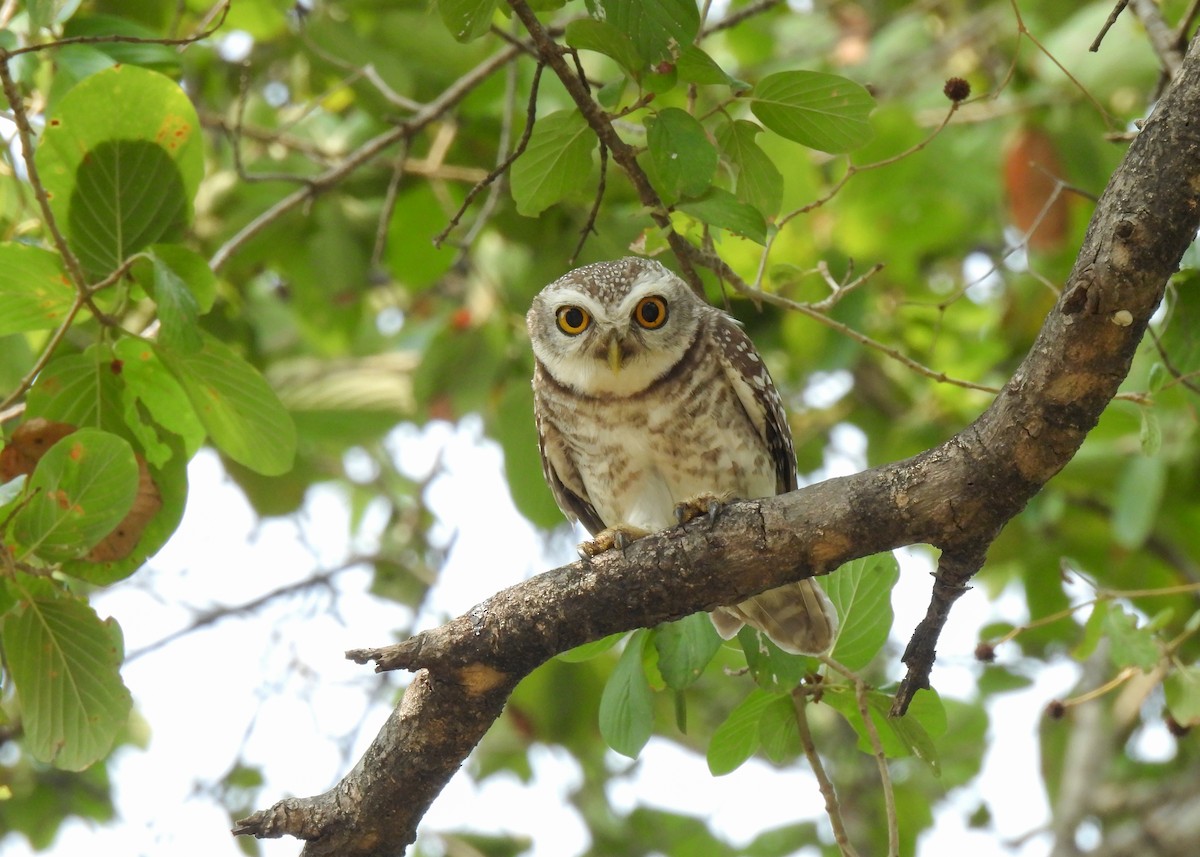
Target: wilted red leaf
(1031, 170)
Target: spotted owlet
(651, 405)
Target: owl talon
(619, 537)
(706, 504)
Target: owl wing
(560, 471)
(748, 375)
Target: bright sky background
(275, 685)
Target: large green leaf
(237, 407)
(602, 37)
(738, 737)
(910, 735)
(659, 29)
(514, 428)
(684, 159)
(148, 388)
(684, 649)
(121, 160)
(80, 389)
(822, 111)
(1138, 495)
(466, 20)
(34, 292)
(862, 593)
(65, 663)
(718, 207)
(778, 730)
(81, 489)
(759, 182)
(626, 712)
(178, 310)
(557, 159)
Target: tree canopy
(961, 235)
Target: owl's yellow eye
(573, 320)
(651, 312)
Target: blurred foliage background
(360, 321)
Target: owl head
(613, 328)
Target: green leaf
(178, 311)
(65, 663)
(516, 432)
(718, 207)
(738, 737)
(1139, 494)
(684, 159)
(626, 712)
(759, 182)
(778, 731)
(1093, 632)
(170, 479)
(910, 735)
(684, 649)
(192, 268)
(659, 29)
(237, 407)
(121, 160)
(556, 161)
(587, 651)
(588, 34)
(1130, 646)
(46, 13)
(695, 66)
(80, 389)
(81, 489)
(821, 111)
(148, 385)
(467, 20)
(1182, 686)
(1151, 432)
(34, 292)
(862, 593)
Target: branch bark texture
(956, 496)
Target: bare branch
(365, 153)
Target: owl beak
(614, 355)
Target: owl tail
(799, 618)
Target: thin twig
(425, 116)
(507, 122)
(1022, 30)
(1112, 19)
(44, 358)
(624, 154)
(214, 615)
(889, 797)
(500, 168)
(25, 132)
(589, 226)
(735, 18)
(833, 808)
(114, 39)
(1180, 376)
(1164, 42)
(389, 206)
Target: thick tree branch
(956, 496)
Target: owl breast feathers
(647, 397)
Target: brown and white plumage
(647, 397)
